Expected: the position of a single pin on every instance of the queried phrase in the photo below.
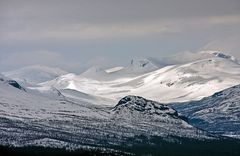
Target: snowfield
(214, 72)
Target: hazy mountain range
(192, 96)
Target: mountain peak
(139, 104)
(220, 54)
(93, 69)
(35, 74)
(188, 57)
(137, 66)
(141, 62)
(93, 72)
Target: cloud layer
(75, 32)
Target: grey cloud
(79, 19)
(79, 31)
(74, 33)
(85, 31)
(115, 10)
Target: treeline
(186, 147)
(47, 151)
(142, 146)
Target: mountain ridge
(32, 75)
(177, 83)
(219, 113)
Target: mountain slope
(13, 83)
(29, 119)
(187, 57)
(191, 81)
(138, 66)
(32, 75)
(219, 113)
(135, 68)
(132, 107)
(176, 83)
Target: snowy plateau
(196, 97)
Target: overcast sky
(76, 34)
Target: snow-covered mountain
(76, 111)
(191, 81)
(214, 72)
(30, 119)
(135, 68)
(95, 73)
(219, 113)
(32, 75)
(186, 57)
(139, 66)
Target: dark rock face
(15, 84)
(11, 82)
(140, 104)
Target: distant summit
(187, 57)
(221, 55)
(139, 66)
(134, 68)
(35, 74)
(94, 73)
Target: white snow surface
(114, 69)
(213, 72)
